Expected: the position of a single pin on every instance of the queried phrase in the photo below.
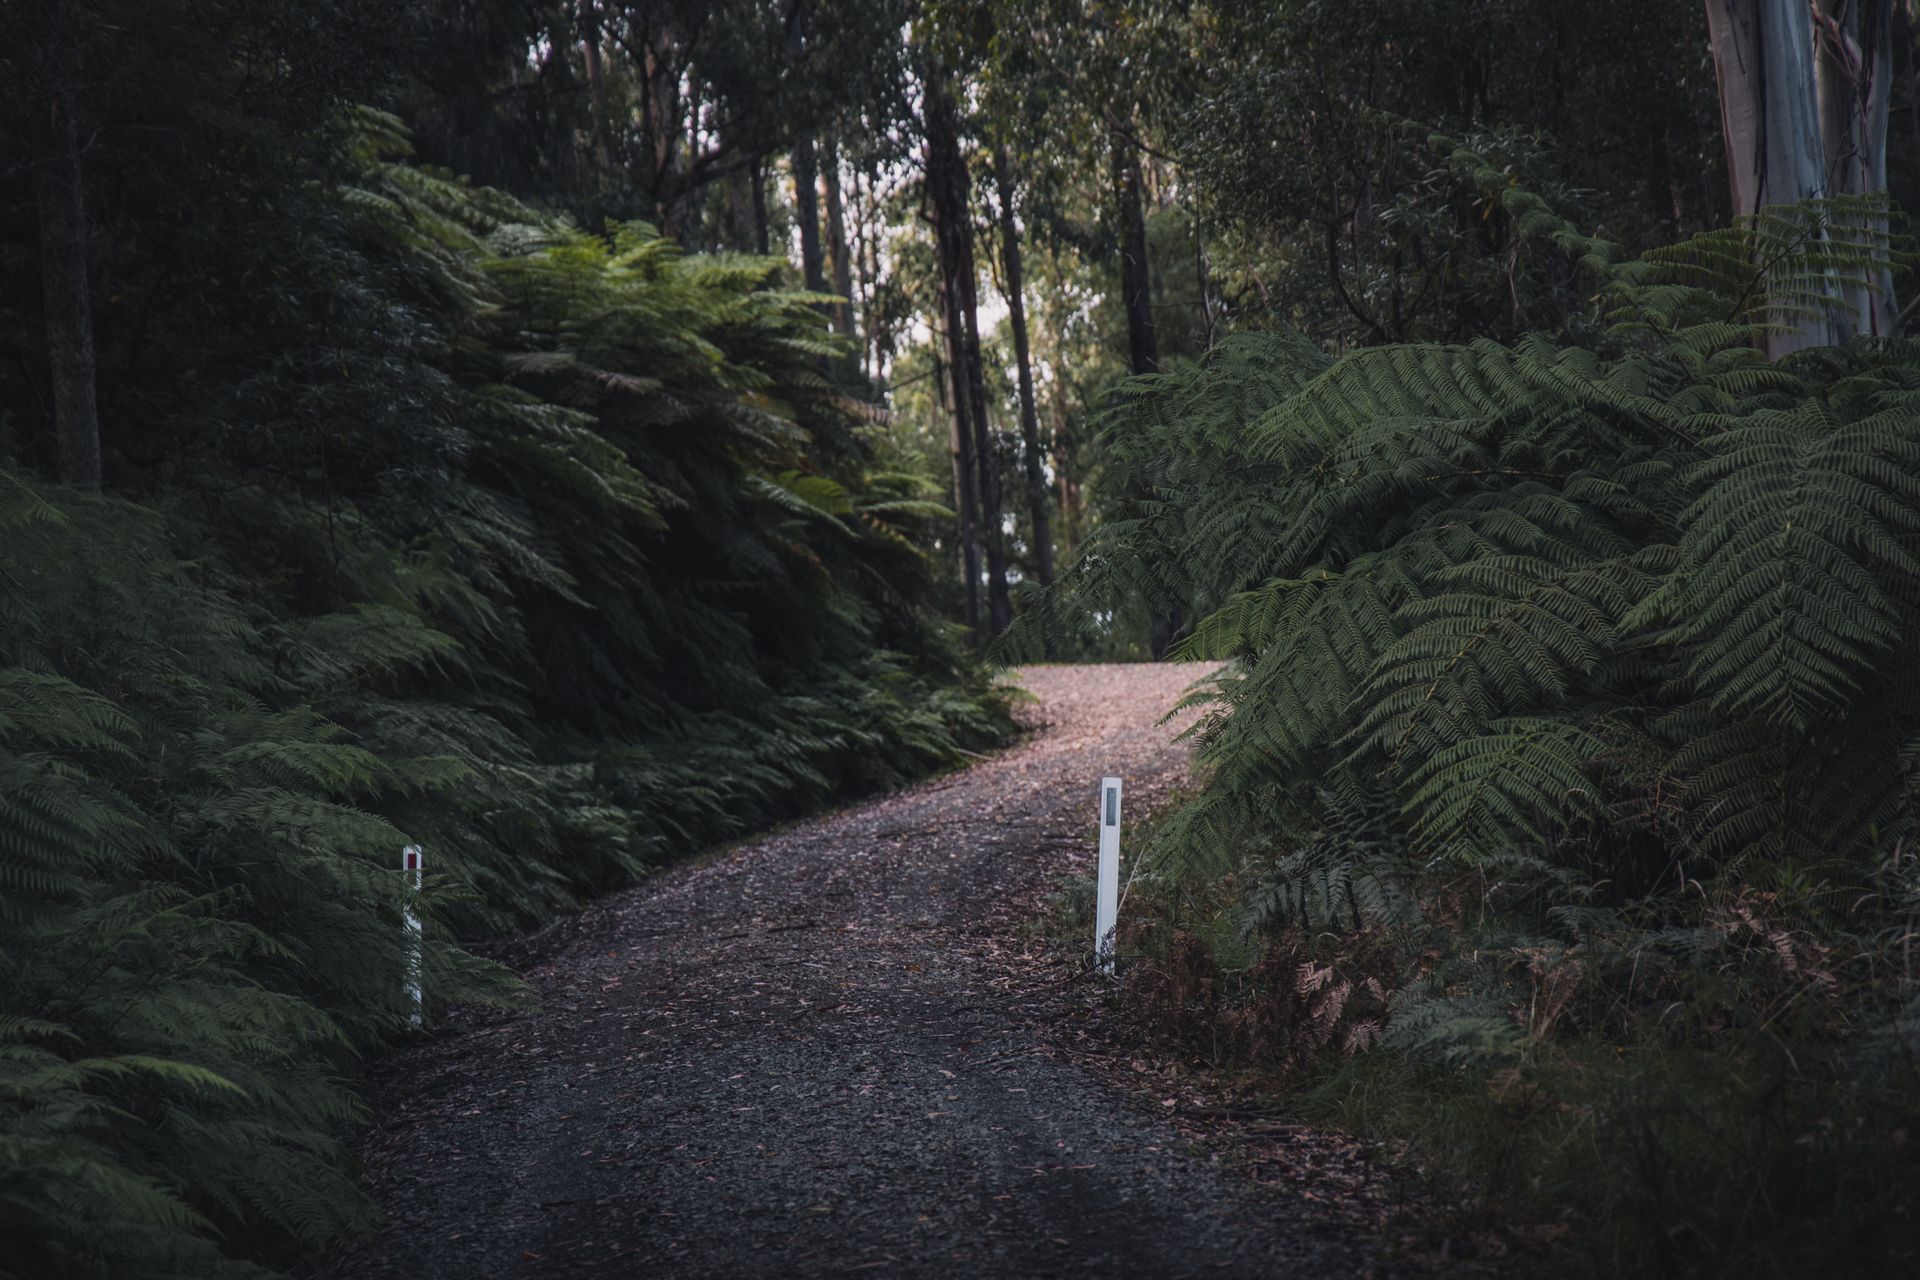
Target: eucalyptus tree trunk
(1037, 502)
(1066, 466)
(1136, 283)
(838, 254)
(739, 219)
(867, 253)
(664, 119)
(1204, 279)
(950, 201)
(960, 446)
(1763, 56)
(1136, 290)
(986, 459)
(60, 195)
(596, 84)
(806, 183)
(761, 242)
(1853, 80)
(806, 211)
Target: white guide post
(1107, 913)
(416, 993)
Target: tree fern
(1549, 613)
(551, 551)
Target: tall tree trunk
(596, 84)
(664, 121)
(1143, 347)
(960, 445)
(761, 244)
(1204, 279)
(739, 220)
(1878, 34)
(1136, 285)
(1066, 466)
(806, 182)
(61, 198)
(1763, 55)
(867, 255)
(806, 211)
(1853, 80)
(837, 249)
(1029, 414)
(987, 459)
(950, 199)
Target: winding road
(838, 1050)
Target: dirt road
(836, 1051)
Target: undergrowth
(1723, 1094)
(1558, 810)
(557, 553)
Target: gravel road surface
(839, 1050)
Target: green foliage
(551, 551)
(1778, 268)
(622, 581)
(1582, 674)
(1305, 129)
(1464, 577)
(201, 921)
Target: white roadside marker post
(416, 993)
(1107, 912)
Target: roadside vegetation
(569, 434)
(1557, 817)
(422, 516)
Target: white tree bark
(1805, 87)
(1853, 73)
(1878, 35)
(1763, 55)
